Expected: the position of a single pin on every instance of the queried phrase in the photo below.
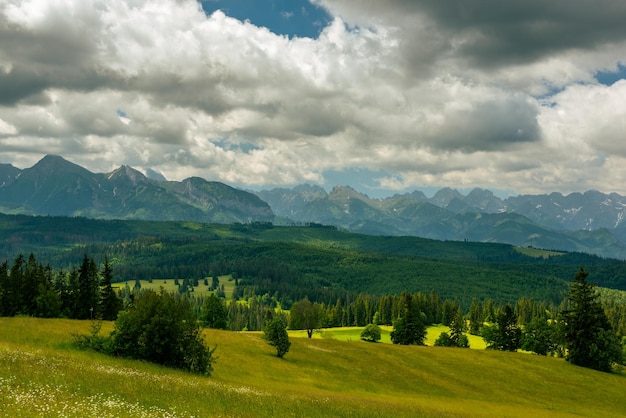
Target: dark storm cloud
(489, 126)
(502, 32)
(491, 33)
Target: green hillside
(293, 262)
(41, 374)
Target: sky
(521, 97)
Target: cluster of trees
(29, 288)
(157, 327)
(580, 328)
(582, 332)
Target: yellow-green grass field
(169, 285)
(42, 375)
(538, 252)
(354, 334)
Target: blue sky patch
(609, 77)
(294, 18)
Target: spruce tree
(5, 290)
(88, 292)
(110, 304)
(213, 313)
(505, 335)
(457, 326)
(409, 328)
(475, 317)
(589, 339)
(13, 303)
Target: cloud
(434, 93)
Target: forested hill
(318, 262)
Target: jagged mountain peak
(483, 200)
(55, 186)
(126, 172)
(444, 196)
(310, 189)
(346, 192)
(56, 164)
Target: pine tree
(47, 301)
(505, 335)
(5, 291)
(31, 279)
(409, 328)
(213, 313)
(88, 290)
(457, 326)
(12, 293)
(110, 304)
(589, 339)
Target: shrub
(444, 340)
(371, 333)
(276, 335)
(162, 328)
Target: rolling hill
(292, 262)
(41, 374)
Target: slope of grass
(354, 334)
(41, 374)
(169, 285)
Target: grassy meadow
(354, 334)
(169, 285)
(41, 374)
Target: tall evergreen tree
(109, 304)
(4, 289)
(13, 302)
(505, 335)
(539, 336)
(409, 328)
(213, 313)
(48, 300)
(457, 326)
(72, 302)
(476, 317)
(32, 277)
(589, 339)
(88, 290)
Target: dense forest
(312, 261)
(86, 291)
(355, 279)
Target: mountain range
(591, 222)
(57, 187)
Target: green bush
(276, 335)
(160, 328)
(371, 333)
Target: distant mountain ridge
(591, 222)
(55, 186)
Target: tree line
(29, 288)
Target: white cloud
(407, 87)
